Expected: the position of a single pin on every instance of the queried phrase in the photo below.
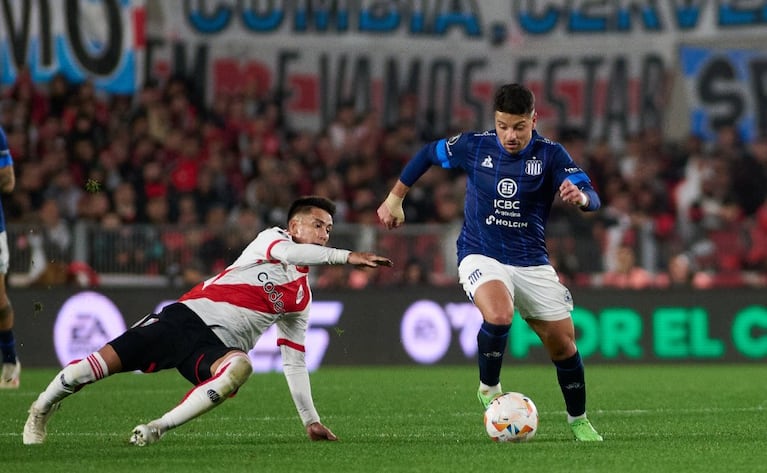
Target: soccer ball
(511, 417)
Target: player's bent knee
(241, 369)
(235, 371)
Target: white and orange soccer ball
(511, 417)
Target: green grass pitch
(669, 418)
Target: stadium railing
(150, 255)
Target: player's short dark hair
(515, 99)
(306, 203)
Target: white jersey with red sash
(253, 293)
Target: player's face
(514, 131)
(312, 227)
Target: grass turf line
(660, 418)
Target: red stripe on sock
(98, 371)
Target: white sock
(71, 378)
(232, 374)
(489, 389)
(571, 419)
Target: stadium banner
(98, 40)
(725, 87)
(602, 67)
(411, 325)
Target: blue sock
(491, 344)
(8, 346)
(572, 382)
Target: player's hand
(390, 212)
(370, 260)
(570, 193)
(316, 431)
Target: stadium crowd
(201, 179)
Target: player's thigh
(6, 313)
(539, 294)
(162, 341)
(204, 360)
(489, 285)
(476, 270)
(494, 302)
(5, 256)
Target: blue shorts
(174, 338)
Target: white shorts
(535, 290)
(5, 257)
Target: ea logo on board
(507, 187)
(84, 324)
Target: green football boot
(584, 431)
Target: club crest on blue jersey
(533, 167)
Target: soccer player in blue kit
(513, 175)
(11, 370)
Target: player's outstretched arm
(317, 431)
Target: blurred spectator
(342, 129)
(756, 255)
(57, 236)
(627, 275)
(332, 277)
(157, 210)
(680, 273)
(93, 207)
(212, 190)
(51, 247)
(59, 95)
(185, 167)
(618, 226)
(33, 106)
(214, 251)
(185, 212)
(414, 273)
(125, 204)
(66, 193)
(749, 174)
(104, 243)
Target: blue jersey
(5, 161)
(508, 196)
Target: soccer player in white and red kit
(207, 333)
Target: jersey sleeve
(566, 168)
(276, 244)
(291, 334)
(5, 153)
(446, 153)
(299, 254)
